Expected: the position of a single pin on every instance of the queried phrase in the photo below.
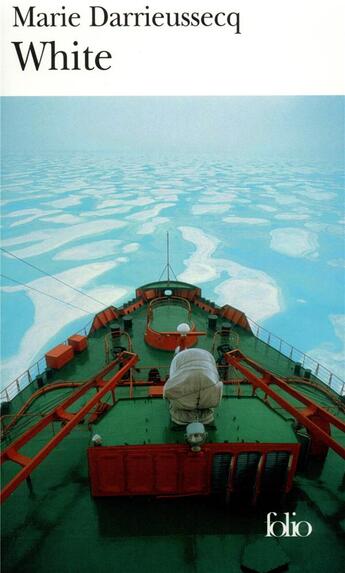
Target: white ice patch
(202, 209)
(150, 227)
(218, 197)
(65, 202)
(330, 229)
(292, 216)
(340, 263)
(250, 290)
(327, 354)
(147, 214)
(266, 208)
(89, 251)
(51, 239)
(131, 248)
(258, 298)
(294, 242)
(318, 195)
(139, 202)
(246, 220)
(32, 215)
(51, 316)
(64, 219)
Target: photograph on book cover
(173, 334)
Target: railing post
(291, 352)
(330, 380)
(17, 384)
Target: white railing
(24, 379)
(308, 363)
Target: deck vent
(212, 321)
(39, 381)
(225, 330)
(298, 369)
(115, 331)
(127, 323)
(220, 472)
(246, 470)
(275, 472)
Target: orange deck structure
(57, 357)
(78, 342)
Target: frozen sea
(266, 237)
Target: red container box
(59, 356)
(78, 342)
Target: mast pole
(168, 258)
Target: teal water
(264, 236)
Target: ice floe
(89, 251)
(292, 216)
(340, 263)
(131, 248)
(51, 316)
(202, 209)
(246, 220)
(65, 202)
(51, 239)
(251, 290)
(150, 227)
(63, 219)
(147, 214)
(328, 354)
(294, 242)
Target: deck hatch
(275, 471)
(220, 472)
(246, 471)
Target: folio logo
(287, 528)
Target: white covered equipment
(193, 387)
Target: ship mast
(168, 268)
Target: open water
(266, 237)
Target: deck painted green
(166, 318)
(88, 363)
(59, 527)
(148, 420)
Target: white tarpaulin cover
(193, 387)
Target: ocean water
(266, 237)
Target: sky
(293, 128)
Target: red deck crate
(78, 342)
(59, 356)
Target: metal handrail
(318, 370)
(165, 301)
(294, 354)
(25, 378)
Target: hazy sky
(303, 128)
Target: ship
(173, 435)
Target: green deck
(148, 420)
(60, 527)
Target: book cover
(180, 145)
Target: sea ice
(294, 242)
